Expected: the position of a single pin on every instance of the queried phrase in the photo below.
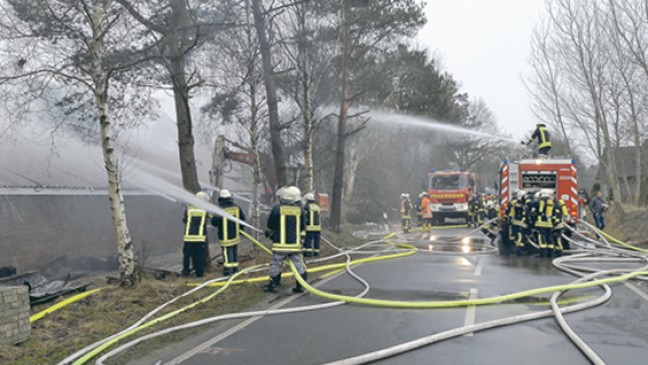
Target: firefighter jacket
(546, 213)
(229, 231)
(285, 225)
(560, 214)
(195, 220)
(312, 217)
(516, 211)
(426, 207)
(542, 135)
(406, 209)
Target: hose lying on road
(590, 281)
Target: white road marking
(471, 311)
(200, 348)
(637, 291)
(480, 266)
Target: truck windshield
(448, 182)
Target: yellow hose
(620, 242)
(259, 244)
(459, 303)
(62, 304)
(152, 322)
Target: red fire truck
(560, 175)
(450, 192)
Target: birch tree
(79, 51)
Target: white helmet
(224, 194)
(520, 194)
(291, 194)
(407, 195)
(202, 195)
(490, 204)
(546, 193)
(309, 197)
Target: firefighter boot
(273, 284)
(298, 287)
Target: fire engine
(450, 192)
(529, 175)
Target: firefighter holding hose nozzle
(542, 135)
(284, 228)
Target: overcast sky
(484, 44)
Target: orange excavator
(245, 155)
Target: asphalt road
(617, 330)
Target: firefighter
(472, 211)
(426, 212)
(194, 250)
(313, 226)
(406, 209)
(561, 219)
(544, 223)
(419, 212)
(542, 135)
(490, 229)
(480, 206)
(284, 227)
(516, 213)
(506, 232)
(229, 231)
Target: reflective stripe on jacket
(286, 224)
(545, 213)
(231, 232)
(196, 220)
(543, 137)
(312, 217)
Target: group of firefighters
(481, 208)
(423, 211)
(537, 218)
(293, 226)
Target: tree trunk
(183, 120)
(254, 139)
(278, 152)
(127, 273)
(218, 161)
(307, 102)
(338, 176)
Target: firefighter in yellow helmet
(284, 228)
(542, 135)
(229, 231)
(195, 237)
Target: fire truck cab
(530, 175)
(450, 192)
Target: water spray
(421, 122)
(155, 184)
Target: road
(617, 330)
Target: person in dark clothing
(542, 135)
(284, 228)
(598, 208)
(229, 231)
(313, 226)
(195, 238)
